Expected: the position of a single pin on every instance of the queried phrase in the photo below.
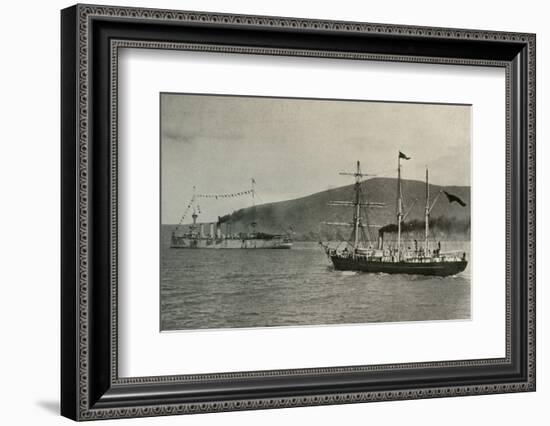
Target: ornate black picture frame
(91, 387)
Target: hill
(305, 214)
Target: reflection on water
(262, 288)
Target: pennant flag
(454, 198)
(403, 156)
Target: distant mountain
(304, 215)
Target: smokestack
(202, 230)
(211, 230)
(381, 241)
(218, 231)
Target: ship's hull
(252, 243)
(437, 268)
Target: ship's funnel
(381, 241)
(218, 231)
(211, 230)
(202, 230)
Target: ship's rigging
(361, 233)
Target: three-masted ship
(359, 254)
(220, 234)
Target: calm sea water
(263, 288)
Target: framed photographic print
(263, 212)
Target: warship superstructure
(220, 234)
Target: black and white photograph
(279, 212)
(275, 213)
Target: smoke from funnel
(440, 223)
(413, 225)
(223, 219)
(392, 227)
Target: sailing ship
(220, 234)
(359, 254)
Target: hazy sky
(295, 147)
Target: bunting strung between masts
(228, 195)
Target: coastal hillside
(304, 215)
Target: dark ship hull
(433, 267)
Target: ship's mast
(253, 224)
(427, 214)
(356, 203)
(357, 216)
(399, 207)
(194, 215)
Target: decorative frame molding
(91, 37)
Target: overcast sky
(296, 147)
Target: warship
(360, 254)
(219, 234)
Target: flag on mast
(403, 156)
(454, 198)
